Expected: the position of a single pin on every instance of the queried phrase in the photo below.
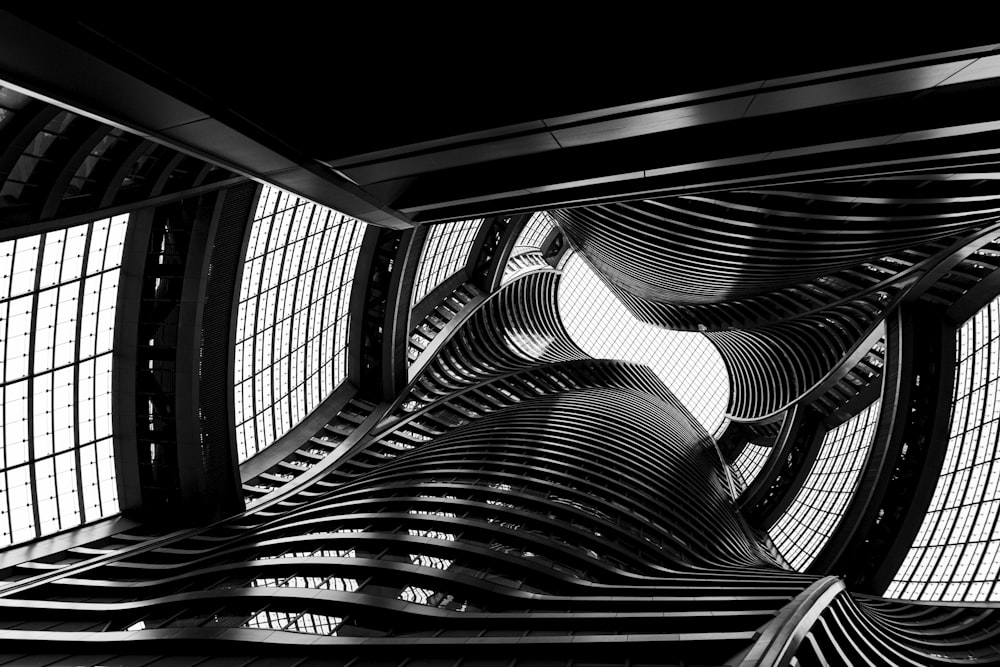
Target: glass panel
(686, 361)
(802, 531)
(526, 254)
(750, 462)
(292, 318)
(959, 539)
(534, 233)
(56, 335)
(445, 252)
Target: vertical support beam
(896, 486)
(124, 381)
(387, 267)
(217, 469)
(492, 250)
(396, 327)
(926, 439)
(174, 418)
(187, 396)
(786, 469)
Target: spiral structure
(461, 484)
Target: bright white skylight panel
(956, 554)
(750, 462)
(686, 361)
(803, 530)
(534, 233)
(291, 331)
(58, 293)
(526, 254)
(445, 253)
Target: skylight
(956, 554)
(806, 526)
(291, 338)
(749, 464)
(526, 253)
(58, 293)
(445, 252)
(534, 233)
(686, 361)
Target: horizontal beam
(61, 72)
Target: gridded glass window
(534, 233)
(446, 252)
(58, 293)
(750, 462)
(802, 531)
(686, 361)
(526, 254)
(956, 554)
(291, 329)
(315, 624)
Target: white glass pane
(22, 278)
(52, 259)
(6, 267)
(43, 315)
(445, 252)
(955, 554)
(803, 530)
(286, 305)
(750, 462)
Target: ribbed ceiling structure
(451, 479)
(727, 246)
(789, 282)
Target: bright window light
(803, 530)
(445, 252)
(749, 463)
(526, 254)
(534, 233)
(956, 554)
(291, 329)
(686, 361)
(58, 293)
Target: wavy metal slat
(772, 366)
(749, 249)
(541, 515)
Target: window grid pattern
(445, 252)
(292, 322)
(534, 233)
(956, 554)
(802, 531)
(316, 624)
(58, 293)
(686, 361)
(750, 462)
